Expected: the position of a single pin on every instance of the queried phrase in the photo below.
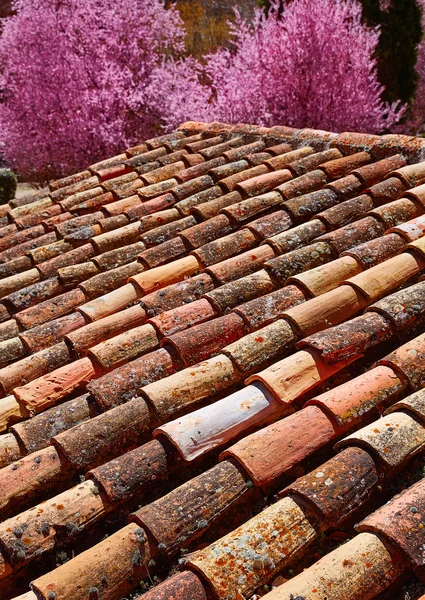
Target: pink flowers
(84, 80)
(311, 67)
(75, 78)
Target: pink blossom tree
(75, 80)
(311, 65)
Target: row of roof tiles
(402, 272)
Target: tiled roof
(214, 342)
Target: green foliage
(401, 33)
(8, 183)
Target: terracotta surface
(323, 278)
(160, 277)
(170, 524)
(240, 291)
(297, 236)
(393, 439)
(348, 402)
(49, 389)
(253, 351)
(263, 310)
(275, 449)
(368, 568)
(339, 486)
(213, 426)
(407, 360)
(182, 317)
(251, 554)
(345, 340)
(326, 310)
(402, 520)
(189, 386)
(127, 547)
(201, 341)
(180, 586)
(94, 441)
(376, 251)
(124, 347)
(387, 276)
(133, 253)
(123, 477)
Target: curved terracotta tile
(393, 439)
(206, 232)
(225, 247)
(376, 251)
(297, 374)
(180, 318)
(9, 452)
(401, 521)
(109, 303)
(272, 451)
(408, 360)
(160, 277)
(310, 204)
(132, 472)
(17, 281)
(124, 383)
(347, 339)
(309, 163)
(357, 570)
(201, 341)
(239, 291)
(404, 307)
(180, 587)
(34, 366)
(346, 187)
(248, 149)
(36, 433)
(297, 237)
(127, 547)
(325, 310)
(212, 208)
(415, 404)
(250, 555)
(396, 212)
(105, 436)
(254, 350)
(177, 294)
(350, 401)
(323, 278)
(199, 169)
(102, 283)
(25, 480)
(213, 426)
(271, 224)
(262, 181)
(339, 486)
(40, 529)
(48, 389)
(90, 334)
(123, 236)
(189, 386)
(242, 211)
(386, 276)
(265, 309)
(186, 512)
(241, 265)
(283, 159)
(411, 175)
(374, 172)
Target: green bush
(8, 183)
